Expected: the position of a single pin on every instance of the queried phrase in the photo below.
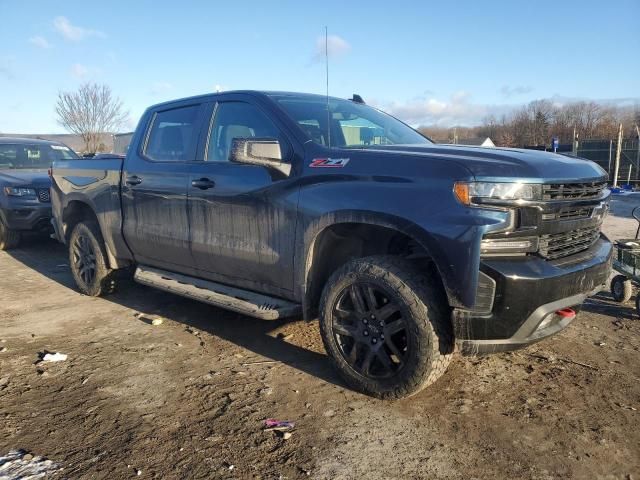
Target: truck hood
(26, 177)
(507, 164)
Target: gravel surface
(155, 386)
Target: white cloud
(74, 33)
(335, 46)
(79, 71)
(509, 91)
(160, 87)
(39, 42)
(458, 109)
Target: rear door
(155, 188)
(243, 217)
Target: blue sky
(427, 62)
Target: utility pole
(618, 151)
(610, 150)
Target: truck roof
(257, 93)
(27, 141)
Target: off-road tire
(426, 313)
(104, 280)
(8, 238)
(621, 288)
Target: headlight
(473, 192)
(20, 192)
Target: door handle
(203, 183)
(133, 180)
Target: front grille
(43, 195)
(559, 245)
(568, 191)
(571, 213)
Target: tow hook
(566, 313)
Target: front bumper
(528, 293)
(27, 216)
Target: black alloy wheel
(386, 326)
(88, 260)
(84, 258)
(370, 329)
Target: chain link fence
(603, 152)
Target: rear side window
(171, 136)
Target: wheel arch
(76, 211)
(333, 240)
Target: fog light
(509, 245)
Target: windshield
(352, 125)
(22, 155)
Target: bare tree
(90, 112)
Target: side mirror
(259, 151)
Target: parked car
(24, 186)
(281, 204)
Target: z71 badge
(329, 162)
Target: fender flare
(313, 230)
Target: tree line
(536, 123)
(93, 110)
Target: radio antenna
(326, 61)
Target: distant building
(73, 141)
(477, 142)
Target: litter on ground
(54, 357)
(271, 424)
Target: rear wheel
(87, 257)
(386, 326)
(621, 288)
(8, 238)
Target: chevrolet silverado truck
(282, 205)
(24, 186)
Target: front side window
(236, 120)
(171, 135)
(347, 124)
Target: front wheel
(386, 326)
(87, 257)
(8, 238)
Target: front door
(242, 217)
(155, 189)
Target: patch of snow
(19, 464)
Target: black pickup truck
(283, 204)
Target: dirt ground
(188, 398)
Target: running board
(224, 296)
